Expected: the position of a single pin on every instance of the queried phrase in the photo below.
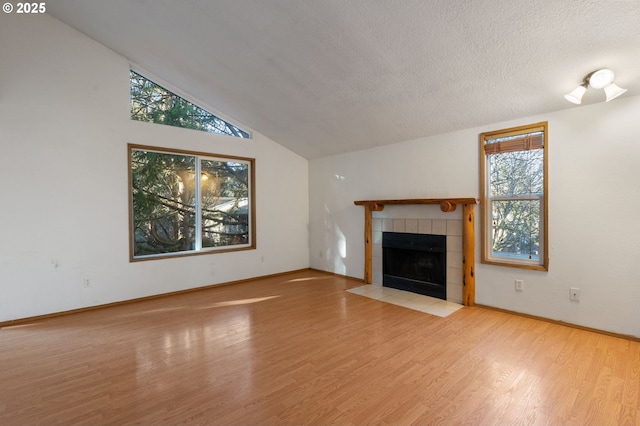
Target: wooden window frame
(519, 144)
(251, 245)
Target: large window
(153, 103)
(185, 202)
(514, 197)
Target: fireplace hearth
(415, 263)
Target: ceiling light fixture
(600, 79)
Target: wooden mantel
(446, 205)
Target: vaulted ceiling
(324, 77)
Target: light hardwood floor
(299, 349)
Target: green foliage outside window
(172, 211)
(153, 103)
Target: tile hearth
(417, 302)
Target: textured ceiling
(323, 77)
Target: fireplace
(460, 274)
(415, 263)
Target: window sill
(521, 265)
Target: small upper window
(514, 197)
(153, 103)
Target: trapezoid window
(153, 103)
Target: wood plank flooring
(299, 349)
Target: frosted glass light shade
(601, 78)
(576, 95)
(613, 91)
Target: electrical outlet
(574, 294)
(519, 285)
(86, 282)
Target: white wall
(594, 199)
(64, 129)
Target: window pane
(516, 173)
(225, 203)
(516, 229)
(163, 195)
(151, 102)
(514, 199)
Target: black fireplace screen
(415, 262)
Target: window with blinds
(514, 197)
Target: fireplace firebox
(415, 263)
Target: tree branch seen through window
(187, 203)
(514, 197)
(153, 103)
